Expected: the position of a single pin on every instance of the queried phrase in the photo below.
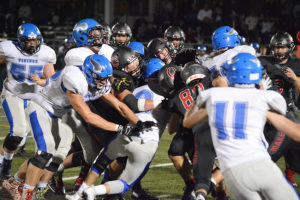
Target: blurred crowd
(256, 20)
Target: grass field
(162, 181)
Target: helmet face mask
(106, 34)
(121, 34)
(175, 37)
(128, 60)
(282, 46)
(29, 38)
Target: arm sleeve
(132, 102)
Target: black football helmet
(121, 28)
(106, 34)
(282, 39)
(169, 78)
(174, 33)
(123, 56)
(156, 46)
(193, 71)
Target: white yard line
(151, 166)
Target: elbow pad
(132, 102)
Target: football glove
(121, 84)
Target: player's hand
(266, 82)
(35, 78)
(144, 126)
(290, 73)
(121, 84)
(125, 130)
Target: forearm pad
(132, 102)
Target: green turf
(159, 181)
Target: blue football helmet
(255, 45)
(224, 37)
(202, 48)
(152, 68)
(27, 32)
(243, 68)
(81, 32)
(96, 67)
(139, 47)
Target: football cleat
(188, 193)
(75, 196)
(5, 168)
(200, 197)
(89, 193)
(40, 193)
(13, 188)
(56, 184)
(289, 174)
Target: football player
(201, 53)
(140, 150)
(237, 117)
(25, 60)
(284, 71)
(175, 37)
(121, 34)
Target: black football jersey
(182, 100)
(284, 85)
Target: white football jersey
(53, 97)
(215, 63)
(76, 57)
(201, 59)
(21, 66)
(237, 119)
(144, 92)
(106, 51)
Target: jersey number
(186, 97)
(18, 71)
(238, 119)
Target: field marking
(151, 166)
(5, 126)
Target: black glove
(121, 84)
(144, 126)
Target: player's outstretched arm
(194, 116)
(284, 125)
(88, 116)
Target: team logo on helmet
(232, 32)
(81, 27)
(171, 72)
(131, 58)
(21, 30)
(115, 62)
